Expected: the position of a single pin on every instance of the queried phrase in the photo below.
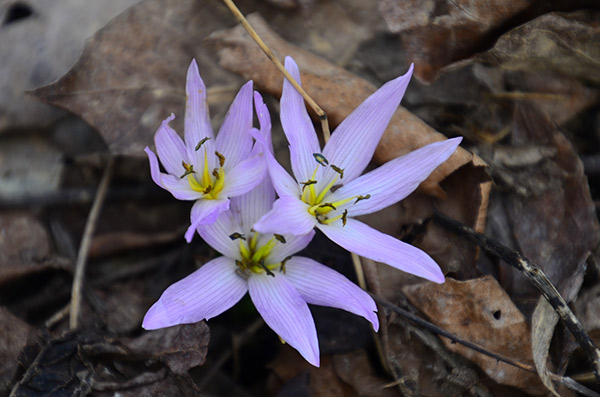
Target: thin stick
(537, 277)
(86, 241)
(317, 109)
(429, 326)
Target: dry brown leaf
(15, 334)
(24, 246)
(335, 89)
(180, 347)
(549, 211)
(481, 312)
(438, 33)
(131, 74)
(38, 47)
(543, 322)
(566, 43)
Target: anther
(368, 196)
(189, 169)
(242, 273)
(280, 238)
(321, 159)
(216, 173)
(283, 262)
(338, 170)
(308, 183)
(330, 205)
(207, 190)
(201, 143)
(221, 158)
(236, 235)
(266, 269)
(344, 217)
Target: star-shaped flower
(200, 167)
(280, 285)
(329, 190)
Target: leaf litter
(508, 101)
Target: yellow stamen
(311, 190)
(206, 180)
(264, 251)
(325, 190)
(244, 250)
(253, 241)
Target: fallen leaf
(40, 40)
(551, 216)
(24, 246)
(438, 33)
(356, 370)
(481, 312)
(565, 43)
(181, 347)
(15, 334)
(124, 89)
(543, 322)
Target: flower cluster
(237, 213)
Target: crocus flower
(328, 189)
(280, 285)
(200, 167)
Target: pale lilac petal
(244, 176)
(353, 142)
(251, 206)
(283, 183)
(205, 212)
(180, 188)
(365, 241)
(288, 216)
(298, 126)
(396, 179)
(202, 295)
(323, 286)
(170, 148)
(154, 167)
(217, 234)
(264, 120)
(234, 140)
(284, 310)
(197, 121)
(292, 245)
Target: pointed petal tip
(290, 62)
(154, 318)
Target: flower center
(255, 257)
(318, 205)
(209, 183)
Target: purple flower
(203, 168)
(280, 285)
(328, 189)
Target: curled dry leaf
(566, 43)
(438, 33)
(481, 312)
(335, 89)
(542, 328)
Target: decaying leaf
(543, 322)
(566, 43)
(481, 312)
(335, 89)
(181, 347)
(15, 334)
(549, 211)
(24, 246)
(40, 40)
(131, 74)
(438, 33)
